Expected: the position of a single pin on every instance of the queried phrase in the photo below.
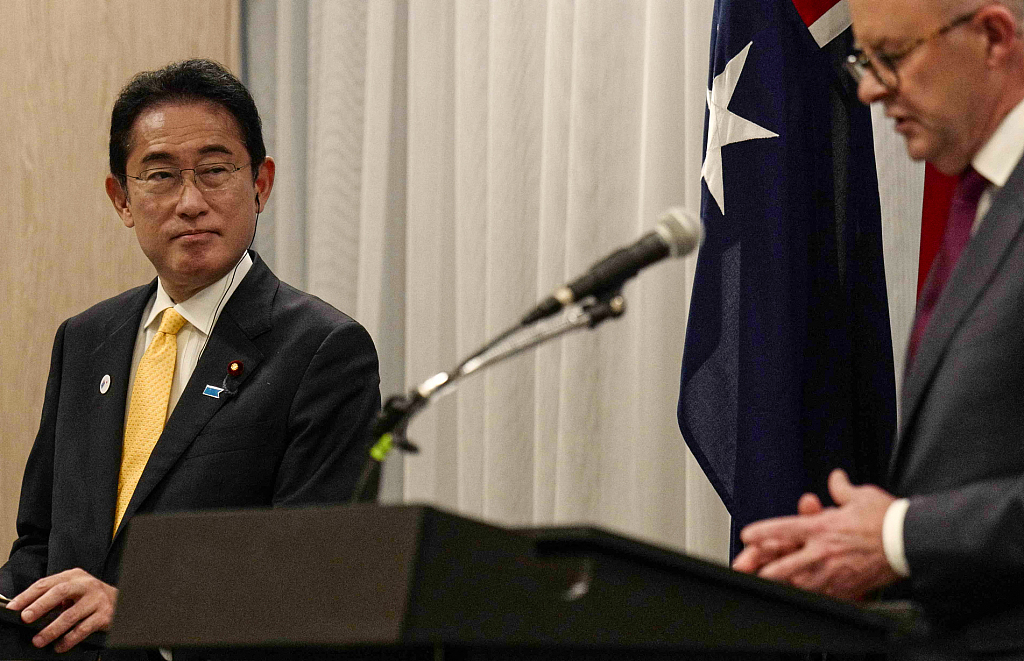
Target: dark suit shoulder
(314, 310)
(304, 320)
(264, 303)
(279, 317)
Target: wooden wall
(62, 247)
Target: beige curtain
(444, 164)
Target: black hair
(197, 80)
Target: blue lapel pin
(213, 391)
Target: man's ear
(264, 182)
(1001, 28)
(119, 198)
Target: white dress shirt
(201, 312)
(995, 161)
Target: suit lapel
(978, 265)
(100, 455)
(246, 315)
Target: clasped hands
(836, 551)
(88, 603)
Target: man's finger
(30, 594)
(64, 622)
(27, 598)
(808, 504)
(805, 561)
(840, 487)
(81, 631)
(44, 603)
(788, 529)
(755, 556)
(774, 548)
(748, 560)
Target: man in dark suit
(951, 532)
(263, 394)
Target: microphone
(677, 234)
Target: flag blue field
(787, 368)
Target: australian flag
(787, 368)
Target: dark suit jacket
(295, 432)
(960, 453)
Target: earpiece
(257, 224)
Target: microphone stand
(389, 428)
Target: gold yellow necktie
(147, 411)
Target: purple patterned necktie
(962, 211)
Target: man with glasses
(214, 386)
(950, 74)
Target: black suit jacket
(960, 453)
(294, 433)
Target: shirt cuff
(892, 536)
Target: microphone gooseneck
(595, 297)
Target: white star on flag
(726, 127)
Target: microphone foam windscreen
(682, 231)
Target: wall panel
(62, 246)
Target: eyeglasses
(883, 66)
(207, 177)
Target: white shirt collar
(201, 310)
(1000, 155)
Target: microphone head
(682, 231)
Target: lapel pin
(213, 391)
(104, 384)
(229, 386)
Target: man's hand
(89, 604)
(836, 551)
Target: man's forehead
(197, 125)
(878, 22)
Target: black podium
(415, 582)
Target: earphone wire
(231, 280)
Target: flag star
(726, 127)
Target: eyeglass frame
(195, 179)
(859, 63)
